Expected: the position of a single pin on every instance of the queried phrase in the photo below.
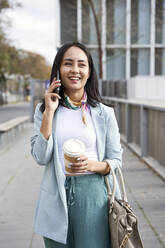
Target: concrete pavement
(146, 194)
(19, 185)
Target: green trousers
(87, 213)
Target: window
(89, 35)
(160, 61)
(68, 20)
(140, 61)
(140, 21)
(116, 21)
(115, 64)
(85, 22)
(95, 57)
(160, 21)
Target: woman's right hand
(51, 98)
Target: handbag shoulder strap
(121, 182)
(111, 193)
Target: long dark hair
(91, 87)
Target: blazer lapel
(99, 125)
(58, 167)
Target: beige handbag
(122, 221)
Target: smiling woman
(73, 204)
(74, 72)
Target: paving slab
(146, 193)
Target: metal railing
(142, 127)
(113, 88)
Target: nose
(75, 68)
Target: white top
(71, 126)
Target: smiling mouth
(74, 79)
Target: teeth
(74, 78)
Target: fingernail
(78, 159)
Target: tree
(32, 64)
(4, 57)
(18, 61)
(27, 63)
(96, 19)
(7, 4)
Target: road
(8, 112)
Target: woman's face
(74, 69)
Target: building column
(128, 39)
(163, 39)
(103, 37)
(143, 27)
(152, 38)
(79, 20)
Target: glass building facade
(132, 33)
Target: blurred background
(127, 41)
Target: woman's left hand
(82, 165)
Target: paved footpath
(19, 185)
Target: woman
(72, 210)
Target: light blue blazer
(51, 219)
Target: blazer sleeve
(41, 148)
(113, 149)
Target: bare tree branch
(98, 37)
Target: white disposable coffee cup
(73, 149)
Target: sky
(33, 27)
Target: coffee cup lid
(73, 147)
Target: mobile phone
(57, 90)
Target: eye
(82, 65)
(67, 63)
